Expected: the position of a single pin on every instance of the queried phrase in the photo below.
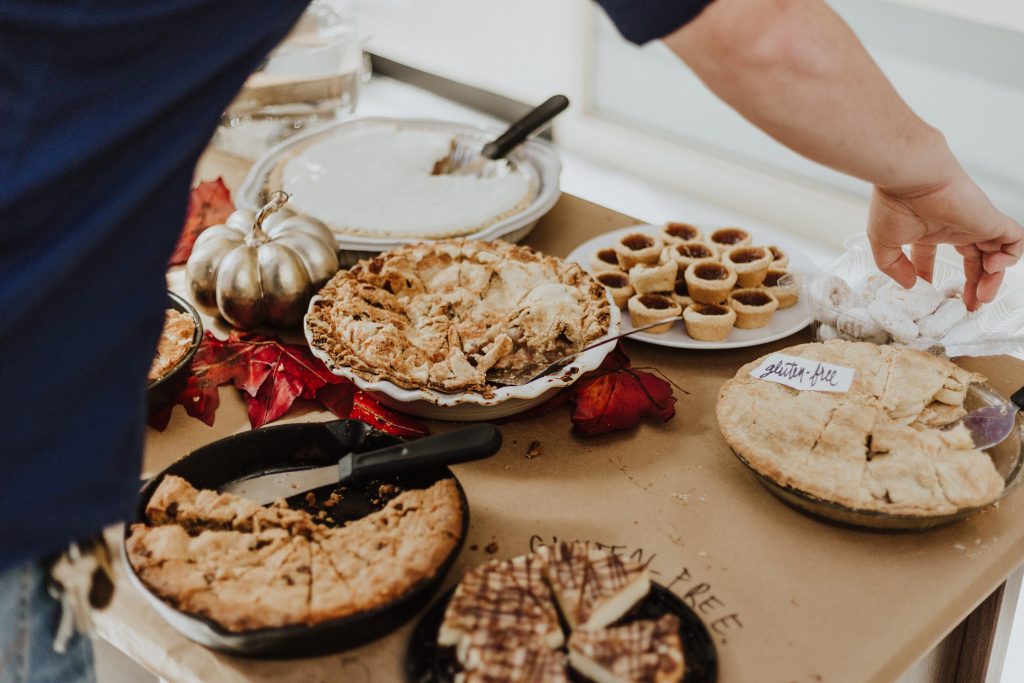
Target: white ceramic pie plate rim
(504, 402)
(540, 154)
(783, 324)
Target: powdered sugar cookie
(945, 317)
(916, 302)
(829, 294)
(893, 320)
(856, 323)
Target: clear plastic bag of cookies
(851, 299)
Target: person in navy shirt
(105, 107)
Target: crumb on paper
(491, 548)
(310, 499)
(685, 497)
(534, 450)
(474, 547)
(960, 546)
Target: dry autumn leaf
(209, 203)
(271, 375)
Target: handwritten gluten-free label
(804, 374)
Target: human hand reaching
(954, 212)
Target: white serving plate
(783, 323)
(471, 406)
(538, 155)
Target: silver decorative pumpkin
(262, 269)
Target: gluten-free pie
(440, 315)
(245, 567)
(647, 650)
(881, 446)
(503, 620)
(175, 341)
(754, 307)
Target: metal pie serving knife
(461, 445)
(989, 425)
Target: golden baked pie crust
(440, 315)
(877, 447)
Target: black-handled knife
(461, 445)
(521, 129)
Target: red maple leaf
(271, 375)
(613, 397)
(208, 204)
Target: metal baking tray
(426, 662)
(271, 449)
(1008, 457)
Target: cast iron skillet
(161, 392)
(427, 662)
(282, 448)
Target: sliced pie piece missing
(594, 587)
(647, 651)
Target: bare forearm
(797, 71)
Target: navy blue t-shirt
(105, 106)
(641, 21)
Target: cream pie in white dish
(377, 181)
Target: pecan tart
(440, 315)
(673, 233)
(617, 284)
(638, 248)
(878, 447)
(709, 282)
(645, 309)
(709, 322)
(754, 307)
(750, 263)
(604, 260)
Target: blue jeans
(28, 622)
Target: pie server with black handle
(989, 425)
(461, 445)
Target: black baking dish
(280, 448)
(161, 393)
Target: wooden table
(786, 597)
